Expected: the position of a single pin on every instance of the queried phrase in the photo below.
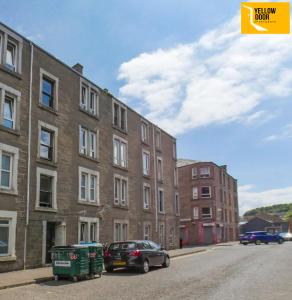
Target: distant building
(209, 203)
(264, 222)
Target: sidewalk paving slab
(38, 275)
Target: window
(206, 212)
(46, 189)
(120, 190)
(11, 56)
(89, 98)
(147, 231)
(88, 229)
(176, 204)
(119, 116)
(8, 168)
(195, 192)
(175, 177)
(205, 172)
(144, 132)
(9, 102)
(161, 234)
(160, 201)
(194, 173)
(146, 196)
(195, 213)
(159, 169)
(48, 136)
(219, 214)
(88, 142)
(174, 150)
(206, 192)
(158, 139)
(146, 162)
(88, 186)
(120, 230)
(7, 232)
(49, 85)
(120, 152)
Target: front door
(50, 240)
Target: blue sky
(184, 64)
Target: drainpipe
(155, 180)
(28, 158)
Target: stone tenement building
(76, 163)
(209, 203)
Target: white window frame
(145, 204)
(89, 221)
(195, 193)
(119, 160)
(146, 168)
(176, 204)
(205, 174)
(159, 171)
(158, 138)
(44, 73)
(144, 131)
(11, 217)
(206, 216)
(89, 88)
(120, 107)
(121, 222)
(119, 199)
(175, 177)
(147, 235)
(163, 201)
(196, 212)
(206, 196)
(89, 173)
(91, 152)
(53, 129)
(194, 172)
(13, 152)
(53, 174)
(16, 95)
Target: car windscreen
(122, 246)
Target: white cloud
(285, 133)
(259, 117)
(249, 199)
(222, 77)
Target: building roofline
(82, 76)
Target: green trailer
(70, 261)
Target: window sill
(49, 109)
(147, 210)
(120, 129)
(146, 176)
(88, 113)
(121, 206)
(160, 181)
(88, 203)
(46, 162)
(10, 72)
(158, 150)
(44, 209)
(145, 143)
(9, 130)
(88, 157)
(119, 167)
(161, 212)
(8, 192)
(7, 258)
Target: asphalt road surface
(226, 272)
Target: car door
(155, 255)
(149, 253)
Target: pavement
(39, 275)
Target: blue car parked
(258, 237)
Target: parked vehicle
(287, 236)
(258, 237)
(137, 254)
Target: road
(226, 272)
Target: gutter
(155, 182)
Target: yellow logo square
(265, 17)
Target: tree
(288, 215)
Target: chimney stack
(79, 68)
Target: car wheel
(145, 267)
(280, 241)
(257, 242)
(166, 262)
(267, 243)
(109, 269)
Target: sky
(226, 97)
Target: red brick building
(209, 203)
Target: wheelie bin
(70, 261)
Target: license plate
(119, 263)
(59, 263)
